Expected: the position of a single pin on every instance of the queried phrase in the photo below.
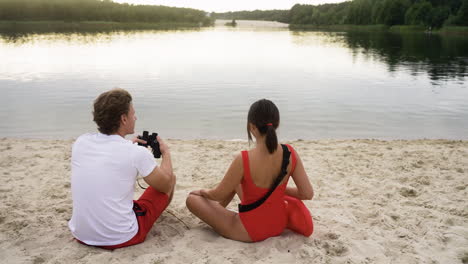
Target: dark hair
(109, 107)
(261, 114)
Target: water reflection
(200, 83)
(441, 57)
(78, 37)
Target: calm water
(200, 83)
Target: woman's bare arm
(303, 189)
(226, 188)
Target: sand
(375, 202)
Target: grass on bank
(381, 28)
(51, 26)
(454, 30)
(64, 26)
(339, 27)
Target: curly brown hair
(109, 107)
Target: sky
(229, 5)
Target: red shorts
(147, 209)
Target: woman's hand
(205, 193)
(197, 192)
(202, 192)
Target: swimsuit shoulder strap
(245, 162)
(293, 158)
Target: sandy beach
(375, 202)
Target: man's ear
(123, 119)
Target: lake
(200, 83)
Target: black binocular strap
(138, 210)
(284, 170)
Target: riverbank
(375, 202)
(98, 26)
(382, 28)
(252, 24)
(88, 26)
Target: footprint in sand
(3, 190)
(337, 248)
(170, 231)
(464, 258)
(331, 236)
(38, 260)
(17, 225)
(395, 217)
(423, 180)
(408, 192)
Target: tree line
(428, 13)
(98, 10)
(268, 15)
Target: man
(104, 169)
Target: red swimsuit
(270, 218)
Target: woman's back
(265, 167)
(270, 218)
(262, 214)
(260, 171)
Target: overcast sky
(229, 5)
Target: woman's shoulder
(289, 146)
(239, 157)
(293, 152)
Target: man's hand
(162, 146)
(137, 140)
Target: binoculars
(152, 141)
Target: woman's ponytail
(271, 139)
(264, 115)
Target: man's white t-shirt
(104, 171)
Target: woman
(251, 176)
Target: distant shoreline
(382, 28)
(96, 26)
(53, 25)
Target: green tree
(394, 12)
(462, 15)
(360, 12)
(97, 10)
(439, 16)
(430, 13)
(419, 14)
